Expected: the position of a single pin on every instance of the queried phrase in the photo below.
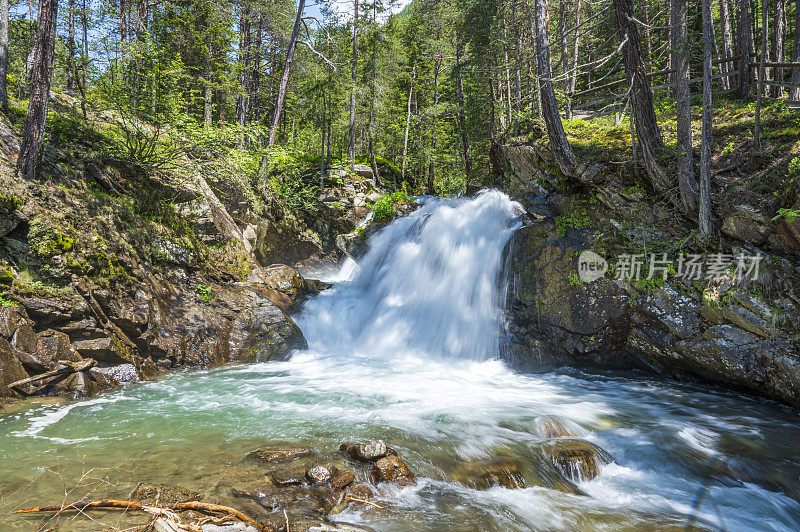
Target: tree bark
(286, 71)
(432, 165)
(31, 148)
(727, 43)
(744, 30)
(778, 55)
(351, 143)
(687, 183)
(255, 74)
(3, 53)
(648, 134)
(795, 92)
(647, 35)
(243, 98)
(573, 78)
(408, 125)
(705, 223)
(71, 46)
(85, 57)
(760, 86)
(555, 129)
(461, 118)
(123, 20)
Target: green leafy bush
(383, 210)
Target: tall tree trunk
(30, 153)
(517, 74)
(243, 98)
(71, 46)
(687, 184)
(562, 40)
(647, 35)
(3, 53)
(760, 86)
(727, 43)
(351, 143)
(744, 30)
(795, 92)
(208, 100)
(555, 129)
(704, 217)
(85, 39)
(778, 55)
(123, 20)
(461, 118)
(575, 56)
(373, 82)
(432, 165)
(647, 132)
(408, 125)
(286, 71)
(221, 107)
(255, 75)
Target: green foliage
(575, 280)
(383, 210)
(789, 214)
(578, 219)
(7, 303)
(48, 239)
(205, 292)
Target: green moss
(7, 302)
(9, 204)
(577, 219)
(47, 238)
(6, 276)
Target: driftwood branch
(134, 505)
(68, 369)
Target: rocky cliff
(738, 332)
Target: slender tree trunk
(243, 98)
(795, 92)
(408, 125)
(670, 39)
(704, 217)
(575, 56)
(208, 101)
(461, 118)
(351, 144)
(3, 53)
(221, 107)
(517, 74)
(687, 183)
(432, 165)
(286, 71)
(760, 86)
(555, 129)
(562, 39)
(71, 46)
(744, 29)
(373, 82)
(31, 149)
(727, 43)
(776, 91)
(85, 39)
(123, 20)
(647, 132)
(767, 69)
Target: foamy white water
(405, 349)
(430, 285)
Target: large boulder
(264, 333)
(11, 369)
(747, 223)
(555, 318)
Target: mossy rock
(48, 239)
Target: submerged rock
(283, 478)
(342, 480)
(392, 469)
(554, 427)
(577, 460)
(484, 474)
(280, 453)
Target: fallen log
(68, 369)
(134, 505)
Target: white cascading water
(431, 284)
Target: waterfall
(431, 285)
